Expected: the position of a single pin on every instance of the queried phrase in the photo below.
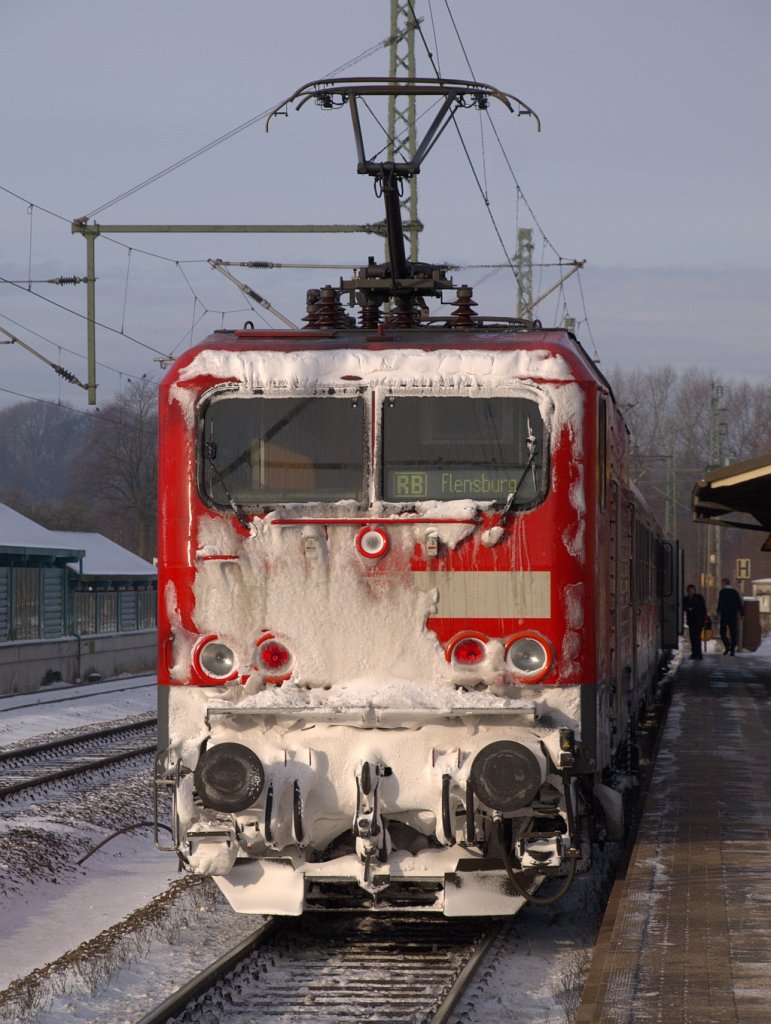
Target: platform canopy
(741, 489)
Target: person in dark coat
(695, 608)
(729, 608)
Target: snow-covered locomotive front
(409, 606)
(374, 614)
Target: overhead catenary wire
(207, 147)
(483, 191)
(60, 370)
(45, 280)
(28, 203)
(520, 194)
(125, 292)
(71, 409)
(586, 318)
(433, 30)
(82, 316)
(30, 213)
(25, 285)
(251, 121)
(55, 344)
(485, 198)
(433, 56)
(250, 293)
(43, 401)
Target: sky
(653, 165)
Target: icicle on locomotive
(410, 606)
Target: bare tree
(117, 474)
(682, 425)
(40, 440)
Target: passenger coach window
(266, 451)
(442, 449)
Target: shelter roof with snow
(106, 559)
(743, 488)
(25, 542)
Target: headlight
(215, 660)
(505, 775)
(229, 777)
(372, 542)
(529, 657)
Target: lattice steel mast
(402, 135)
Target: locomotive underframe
(321, 836)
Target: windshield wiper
(532, 449)
(210, 449)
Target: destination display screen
(447, 485)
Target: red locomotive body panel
(558, 537)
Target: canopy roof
(21, 537)
(95, 555)
(743, 488)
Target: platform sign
(742, 568)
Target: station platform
(686, 936)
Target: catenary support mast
(402, 138)
(92, 231)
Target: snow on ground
(62, 707)
(42, 924)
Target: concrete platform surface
(686, 937)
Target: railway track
(65, 695)
(337, 968)
(41, 764)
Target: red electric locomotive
(410, 605)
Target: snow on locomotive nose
(368, 692)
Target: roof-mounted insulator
(311, 318)
(464, 308)
(369, 315)
(331, 312)
(405, 313)
(68, 376)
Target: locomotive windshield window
(266, 451)
(445, 448)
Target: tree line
(92, 471)
(97, 470)
(683, 424)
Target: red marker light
(467, 650)
(274, 656)
(273, 660)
